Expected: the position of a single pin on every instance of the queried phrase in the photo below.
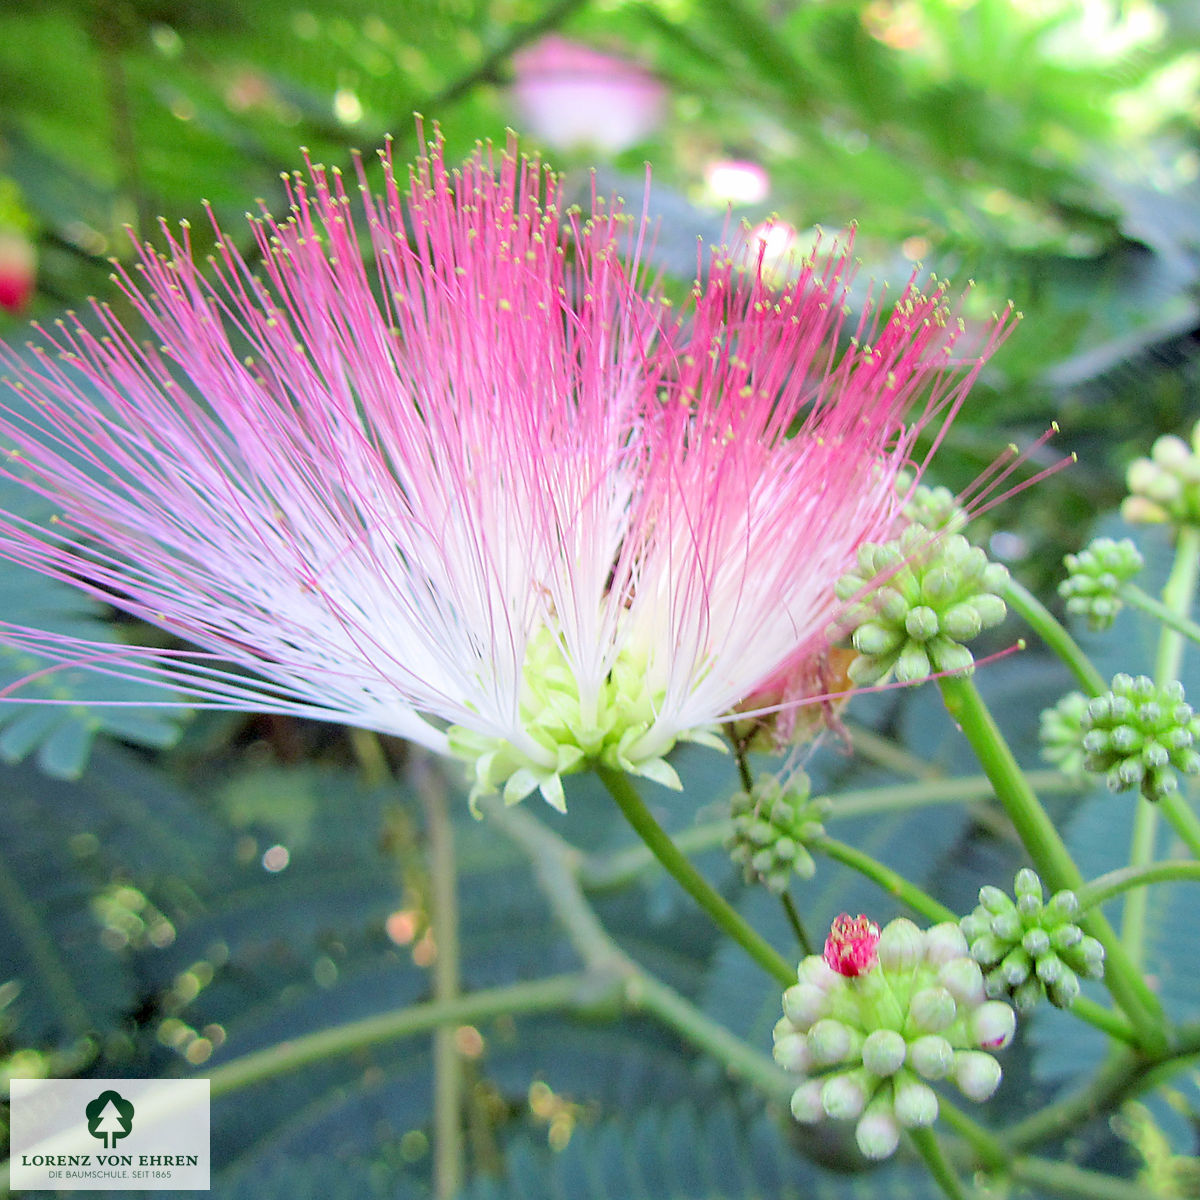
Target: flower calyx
(559, 739)
(1094, 579)
(1031, 947)
(1136, 733)
(869, 1042)
(914, 601)
(773, 826)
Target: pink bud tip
(850, 947)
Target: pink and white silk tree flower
(460, 473)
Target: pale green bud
(792, 1054)
(831, 1041)
(977, 1074)
(844, 1095)
(931, 1056)
(804, 1003)
(878, 1132)
(883, 1052)
(963, 979)
(901, 945)
(995, 900)
(944, 942)
(991, 1025)
(931, 1010)
(913, 1102)
(806, 1102)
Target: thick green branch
(1048, 851)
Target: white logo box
(67, 1134)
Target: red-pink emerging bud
(850, 947)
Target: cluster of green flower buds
(1135, 733)
(1094, 579)
(879, 1016)
(916, 600)
(1031, 947)
(1062, 734)
(1165, 486)
(772, 828)
(936, 508)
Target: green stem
(448, 1145)
(988, 1148)
(1133, 595)
(1178, 594)
(556, 865)
(1183, 820)
(1043, 622)
(601, 871)
(1115, 1024)
(890, 881)
(1128, 1073)
(886, 753)
(655, 997)
(1048, 851)
(793, 916)
(1105, 887)
(929, 1148)
(692, 882)
(542, 995)
(1064, 1180)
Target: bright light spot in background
(276, 858)
(347, 107)
(401, 926)
(736, 182)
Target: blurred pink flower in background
(570, 96)
(18, 270)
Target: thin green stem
(930, 1149)
(691, 1023)
(615, 870)
(1115, 1024)
(889, 754)
(1133, 595)
(1104, 887)
(671, 857)
(1043, 622)
(890, 881)
(1178, 594)
(1183, 820)
(797, 924)
(556, 866)
(1065, 1180)
(987, 1147)
(1126, 1074)
(448, 1145)
(1048, 851)
(1141, 854)
(543, 995)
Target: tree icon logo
(109, 1117)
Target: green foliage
(722, 1153)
